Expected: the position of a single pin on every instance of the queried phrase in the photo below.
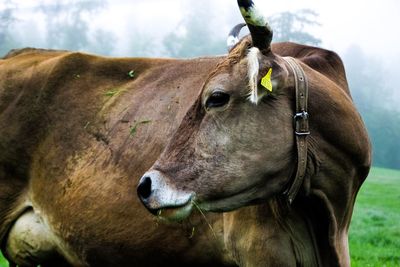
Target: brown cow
(77, 131)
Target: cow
(221, 151)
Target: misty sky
(372, 25)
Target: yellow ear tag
(266, 80)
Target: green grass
(375, 228)
(3, 262)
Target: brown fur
(67, 146)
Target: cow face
(235, 145)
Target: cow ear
(266, 74)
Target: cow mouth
(174, 213)
(229, 203)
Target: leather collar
(301, 127)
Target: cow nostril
(144, 188)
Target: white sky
(372, 25)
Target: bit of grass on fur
(131, 74)
(192, 233)
(86, 125)
(113, 92)
(133, 128)
(205, 218)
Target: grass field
(3, 262)
(375, 228)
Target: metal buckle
(301, 115)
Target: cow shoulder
(326, 62)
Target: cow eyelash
(217, 99)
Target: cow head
(235, 146)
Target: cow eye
(217, 99)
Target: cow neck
(301, 129)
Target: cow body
(78, 131)
(69, 151)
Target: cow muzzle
(162, 199)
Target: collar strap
(301, 127)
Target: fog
(365, 35)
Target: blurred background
(365, 35)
